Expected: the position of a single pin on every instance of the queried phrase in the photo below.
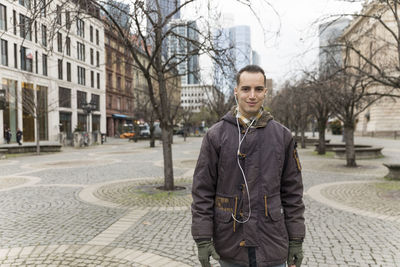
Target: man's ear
(235, 91)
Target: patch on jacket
(296, 157)
(223, 203)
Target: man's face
(250, 93)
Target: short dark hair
(252, 69)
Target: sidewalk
(97, 207)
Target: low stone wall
(309, 141)
(16, 149)
(330, 147)
(361, 153)
(394, 171)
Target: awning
(122, 116)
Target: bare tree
(351, 97)
(320, 88)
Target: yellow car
(127, 135)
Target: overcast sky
(296, 46)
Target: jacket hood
(261, 122)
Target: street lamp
(88, 108)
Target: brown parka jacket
(273, 173)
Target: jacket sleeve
(203, 190)
(292, 191)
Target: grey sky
(296, 45)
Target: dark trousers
(252, 260)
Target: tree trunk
(152, 128)
(321, 138)
(350, 151)
(37, 137)
(303, 138)
(167, 153)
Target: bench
(361, 152)
(330, 147)
(309, 141)
(394, 171)
(136, 138)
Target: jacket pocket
(276, 214)
(222, 216)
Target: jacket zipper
(266, 207)
(234, 221)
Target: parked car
(127, 131)
(144, 130)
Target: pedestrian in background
(19, 136)
(247, 189)
(7, 135)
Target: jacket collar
(261, 122)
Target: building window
(36, 62)
(65, 123)
(97, 37)
(25, 27)
(91, 33)
(42, 107)
(97, 58)
(118, 83)
(44, 35)
(68, 71)
(80, 28)
(58, 20)
(25, 3)
(82, 122)
(4, 52)
(60, 69)
(67, 20)
(15, 56)
(80, 98)
(44, 64)
(68, 46)
(36, 39)
(98, 80)
(81, 76)
(81, 51)
(64, 97)
(109, 62)
(95, 123)
(3, 18)
(92, 78)
(15, 22)
(26, 59)
(91, 56)
(42, 6)
(118, 103)
(96, 102)
(109, 102)
(109, 80)
(59, 42)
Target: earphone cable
(241, 169)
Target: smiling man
(247, 187)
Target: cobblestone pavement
(98, 207)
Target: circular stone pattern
(146, 194)
(189, 163)
(382, 198)
(9, 182)
(67, 259)
(71, 163)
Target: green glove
(206, 249)
(295, 256)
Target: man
(247, 187)
(19, 136)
